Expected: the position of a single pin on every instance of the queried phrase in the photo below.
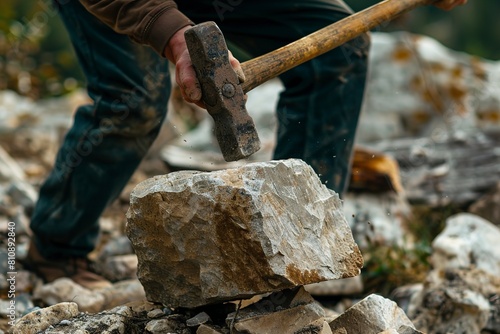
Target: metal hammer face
(221, 92)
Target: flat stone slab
(209, 237)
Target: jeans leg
(318, 118)
(319, 109)
(130, 86)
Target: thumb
(235, 64)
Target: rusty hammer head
(221, 92)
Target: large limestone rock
(203, 238)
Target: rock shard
(373, 315)
(209, 237)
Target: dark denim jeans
(130, 86)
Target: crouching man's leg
(130, 86)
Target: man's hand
(185, 75)
(449, 4)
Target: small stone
(371, 315)
(65, 322)
(25, 281)
(119, 268)
(206, 329)
(109, 226)
(167, 311)
(171, 324)
(276, 301)
(40, 320)
(64, 289)
(282, 321)
(284, 311)
(113, 321)
(197, 320)
(117, 321)
(117, 246)
(156, 313)
(122, 293)
(403, 295)
(377, 219)
(139, 306)
(467, 241)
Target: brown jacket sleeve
(150, 22)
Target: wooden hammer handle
(270, 65)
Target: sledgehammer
(224, 95)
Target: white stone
(377, 219)
(160, 326)
(466, 241)
(64, 289)
(42, 319)
(113, 321)
(371, 315)
(122, 292)
(120, 267)
(454, 301)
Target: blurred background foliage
(473, 28)
(36, 58)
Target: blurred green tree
(473, 28)
(36, 57)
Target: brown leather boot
(80, 270)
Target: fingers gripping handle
(221, 92)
